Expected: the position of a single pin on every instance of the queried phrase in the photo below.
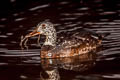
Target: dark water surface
(68, 16)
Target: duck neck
(51, 38)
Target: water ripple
(112, 76)
(3, 36)
(18, 53)
(64, 2)
(39, 7)
(19, 19)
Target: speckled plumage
(66, 45)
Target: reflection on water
(78, 63)
(19, 18)
(47, 69)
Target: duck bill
(34, 33)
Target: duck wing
(82, 37)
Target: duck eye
(43, 26)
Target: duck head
(45, 28)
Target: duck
(66, 45)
